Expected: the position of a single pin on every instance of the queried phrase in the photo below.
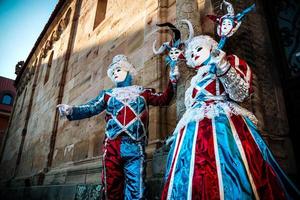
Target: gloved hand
(218, 57)
(174, 74)
(64, 109)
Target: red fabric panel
(265, 180)
(106, 97)
(144, 118)
(125, 115)
(167, 183)
(161, 98)
(205, 179)
(211, 87)
(114, 170)
(194, 92)
(242, 65)
(221, 89)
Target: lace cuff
(223, 68)
(235, 85)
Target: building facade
(45, 155)
(7, 96)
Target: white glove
(218, 58)
(64, 109)
(174, 75)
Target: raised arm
(160, 98)
(91, 108)
(236, 77)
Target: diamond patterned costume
(217, 151)
(126, 118)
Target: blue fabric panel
(139, 106)
(182, 168)
(136, 129)
(204, 80)
(170, 156)
(114, 106)
(133, 154)
(289, 188)
(112, 128)
(91, 108)
(234, 176)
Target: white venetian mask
(119, 74)
(226, 27)
(199, 54)
(174, 53)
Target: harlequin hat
(176, 38)
(235, 19)
(122, 62)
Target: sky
(21, 22)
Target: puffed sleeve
(89, 109)
(237, 79)
(159, 98)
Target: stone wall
(43, 149)
(81, 54)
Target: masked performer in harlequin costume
(217, 151)
(127, 114)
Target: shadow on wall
(79, 143)
(85, 77)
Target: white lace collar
(127, 94)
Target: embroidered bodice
(209, 95)
(126, 111)
(205, 86)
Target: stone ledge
(82, 180)
(72, 191)
(84, 171)
(80, 191)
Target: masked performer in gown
(217, 151)
(127, 115)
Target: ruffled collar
(128, 93)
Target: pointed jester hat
(229, 23)
(176, 38)
(174, 47)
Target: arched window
(21, 109)
(48, 68)
(68, 16)
(7, 99)
(100, 12)
(40, 69)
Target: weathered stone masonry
(68, 65)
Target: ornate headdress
(120, 61)
(236, 21)
(195, 41)
(175, 45)
(176, 40)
